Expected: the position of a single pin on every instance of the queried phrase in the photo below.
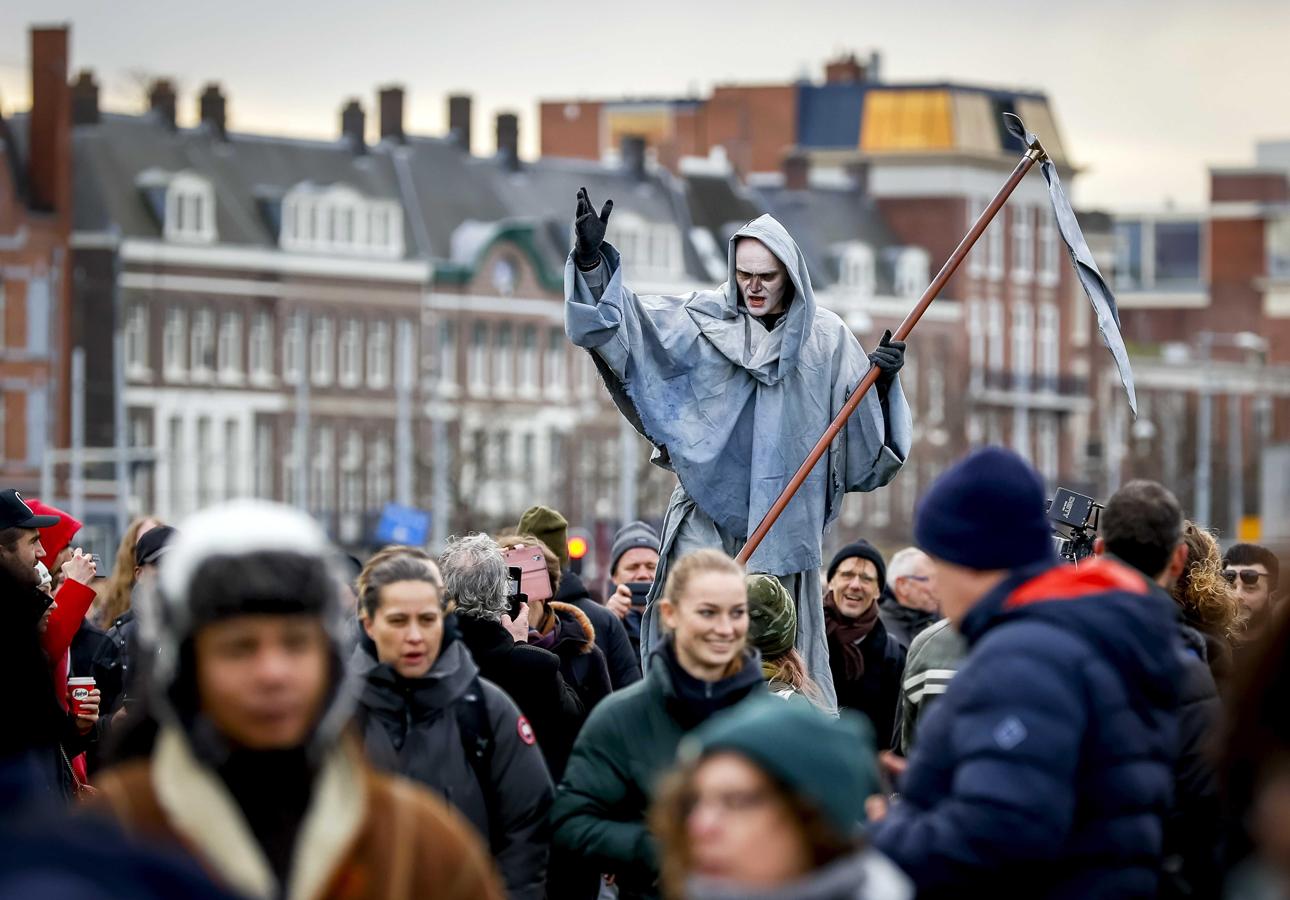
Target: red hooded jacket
(73, 598)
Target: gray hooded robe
(734, 409)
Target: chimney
(631, 149)
(508, 140)
(48, 154)
(797, 171)
(353, 126)
(210, 109)
(459, 120)
(85, 99)
(161, 101)
(391, 109)
(844, 70)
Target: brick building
(35, 218)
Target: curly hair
(1204, 595)
(474, 576)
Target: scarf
(848, 633)
(547, 633)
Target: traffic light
(579, 547)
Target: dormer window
(856, 268)
(184, 204)
(338, 219)
(910, 271)
(649, 249)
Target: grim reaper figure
(733, 387)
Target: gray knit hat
(629, 537)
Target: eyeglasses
(1249, 577)
(918, 578)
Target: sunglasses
(1248, 577)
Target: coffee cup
(78, 692)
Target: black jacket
(414, 727)
(581, 662)
(124, 634)
(902, 622)
(611, 636)
(97, 655)
(877, 693)
(531, 677)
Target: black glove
(589, 231)
(889, 357)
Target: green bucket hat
(772, 616)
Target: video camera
(1079, 516)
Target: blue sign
(403, 525)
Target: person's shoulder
(533, 659)
(393, 797)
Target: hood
(383, 690)
(247, 557)
(768, 355)
(572, 588)
(573, 625)
(56, 538)
(1110, 605)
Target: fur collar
(569, 612)
(201, 810)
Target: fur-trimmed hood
(572, 621)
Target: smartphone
(640, 591)
(513, 596)
(98, 566)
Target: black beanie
(864, 550)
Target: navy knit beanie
(864, 550)
(986, 512)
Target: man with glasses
(1252, 570)
(908, 605)
(866, 660)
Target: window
(293, 349)
(554, 375)
(1049, 347)
(1278, 247)
(479, 453)
(1128, 256)
(230, 346)
(201, 353)
(976, 342)
(994, 334)
(911, 272)
(38, 316)
(136, 340)
(378, 473)
(648, 250)
(232, 458)
(338, 219)
(1177, 254)
(448, 353)
(1023, 242)
(292, 466)
(1049, 269)
(205, 463)
(528, 361)
(378, 355)
(322, 492)
(322, 350)
(502, 446)
(1023, 345)
(351, 487)
(178, 460)
(994, 236)
(856, 269)
(477, 361)
(528, 456)
(976, 262)
(261, 346)
(503, 360)
(935, 395)
(351, 343)
(1046, 446)
(264, 460)
(174, 344)
(189, 214)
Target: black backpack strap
(477, 743)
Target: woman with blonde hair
(768, 803)
(115, 599)
(1208, 602)
(702, 667)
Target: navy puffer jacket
(1047, 768)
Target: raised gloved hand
(589, 231)
(889, 357)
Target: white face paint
(761, 277)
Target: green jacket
(628, 742)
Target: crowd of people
(238, 709)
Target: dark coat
(124, 634)
(611, 636)
(877, 693)
(628, 743)
(531, 677)
(581, 662)
(411, 726)
(902, 622)
(1047, 769)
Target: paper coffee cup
(78, 692)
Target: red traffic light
(578, 546)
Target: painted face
(710, 623)
(761, 277)
(407, 628)
(637, 564)
(854, 586)
(741, 831)
(262, 679)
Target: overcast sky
(1146, 94)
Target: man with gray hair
(908, 603)
(475, 583)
